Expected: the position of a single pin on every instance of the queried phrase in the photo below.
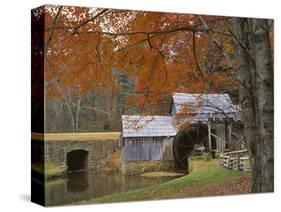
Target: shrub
(217, 154)
(207, 156)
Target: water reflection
(82, 186)
(77, 182)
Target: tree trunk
(264, 83)
(255, 74)
(77, 114)
(68, 104)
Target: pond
(82, 186)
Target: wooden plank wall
(149, 148)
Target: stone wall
(139, 167)
(56, 152)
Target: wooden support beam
(229, 132)
(217, 137)
(209, 137)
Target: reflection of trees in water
(79, 186)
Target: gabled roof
(147, 126)
(205, 106)
(204, 103)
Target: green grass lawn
(206, 179)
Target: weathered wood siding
(220, 132)
(147, 148)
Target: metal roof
(147, 126)
(206, 106)
(204, 103)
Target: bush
(217, 154)
(207, 156)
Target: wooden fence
(236, 160)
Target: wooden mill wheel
(184, 142)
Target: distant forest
(96, 110)
(101, 110)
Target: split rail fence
(236, 160)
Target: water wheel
(184, 142)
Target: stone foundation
(56, 152)
(139, 167)
(103, 156)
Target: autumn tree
(165, 53)
(75, 73)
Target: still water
(82, 186)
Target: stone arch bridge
(73, 151)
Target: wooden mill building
(196, 122)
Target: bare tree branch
(97, 110)
(217, 42)
(195, 56)
(52, 29)
(88, 20)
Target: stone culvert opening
(185, 142)
(77, 161)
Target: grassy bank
(207, 178)
(49, 170)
